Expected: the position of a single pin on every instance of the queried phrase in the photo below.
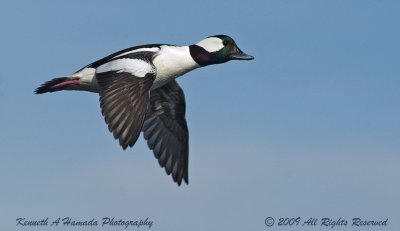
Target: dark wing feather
(112, 56)
(166, 131)
(124, 99)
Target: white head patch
(211, 44)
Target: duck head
(217, 49)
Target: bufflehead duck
(138, 92)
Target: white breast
(172, 62)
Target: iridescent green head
(217, 49)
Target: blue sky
(309, 128)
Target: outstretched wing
(124, 85)
(166, 131)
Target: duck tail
(58, 84)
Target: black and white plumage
(138, 92)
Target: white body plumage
(170, 62)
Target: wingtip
(179, 181)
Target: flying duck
(138, 92)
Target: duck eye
(224, 43)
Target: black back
(110, 57)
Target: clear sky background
(309, 128)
